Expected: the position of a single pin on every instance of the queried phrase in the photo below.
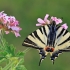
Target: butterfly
(50, 38)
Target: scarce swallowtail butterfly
(49, 38)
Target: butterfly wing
(62, 43)
(38, 40)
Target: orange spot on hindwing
(49, 49)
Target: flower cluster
(9, 24)
(46, 21)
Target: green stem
(1, 39)
(25, 51)
(2, 60)
(8, 66)
(18, 63)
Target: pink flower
(12, 21)
(57, 20)
(64, 26)
(43, 22)
(3, 17)
(9, 24)
(14, 30)
(2, 14)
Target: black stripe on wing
(61, 33)
(68, 47)
(40, 30)
(38, 37)
(65, 32)
(44, 31)
(32, 35)
(65, 41)
(57, 27)
(28, 43)
(65, 50)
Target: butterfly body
(52, 35)
(51, 39)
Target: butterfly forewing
(62, 39)
(38, 38)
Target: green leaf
(20, 61)
(21, 67)
(20, 54)
(8, 66)
(1, 57)
(3, 53)
(10, 50)
(13, 60)
(2, 60)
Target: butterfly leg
(43, 55)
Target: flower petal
(57, 20)
(64, 26)
(14, 28)
(45, 18)
(60, 21)
(40, 20)
(48, 22)
(54, 18)
(38, 24)
(16, 34)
